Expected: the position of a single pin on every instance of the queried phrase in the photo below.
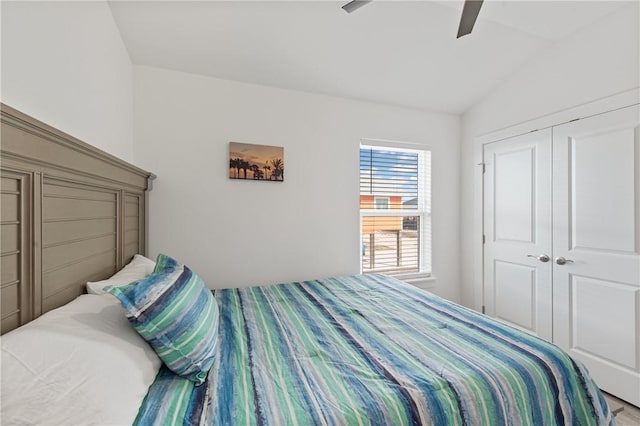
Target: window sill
(423, 281)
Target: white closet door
(517, 226)
(596, 226)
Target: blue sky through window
(386, 172)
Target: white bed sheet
(80, 364)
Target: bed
(338, 351)
(353, 350)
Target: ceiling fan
(470, 13)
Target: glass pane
(388, 173)
(390, 244)
(382, 203)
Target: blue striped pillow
(175, 312)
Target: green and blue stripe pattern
(372, 350)
(176, 314)
(173, 400)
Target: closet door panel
(596, 205)
(602, 188)
(517, 226)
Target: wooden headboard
(71, 213)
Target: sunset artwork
(256, 162)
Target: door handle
(562, 261)
(542, 257)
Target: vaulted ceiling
(394, 52)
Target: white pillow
(137, 269)
(82, 364)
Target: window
(382, 203)
(395, 206)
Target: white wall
(595, 62)
(65, 63)
(239, 233)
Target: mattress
(361, 350)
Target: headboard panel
(133, 232)
(15, 202)
(70, 214)
(83, 252)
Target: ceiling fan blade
(355, 4)
(469, 15)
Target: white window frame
(424, 203)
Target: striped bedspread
(173, 400)
(363, 350)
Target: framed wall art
(256, 162)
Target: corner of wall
(65, 63)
